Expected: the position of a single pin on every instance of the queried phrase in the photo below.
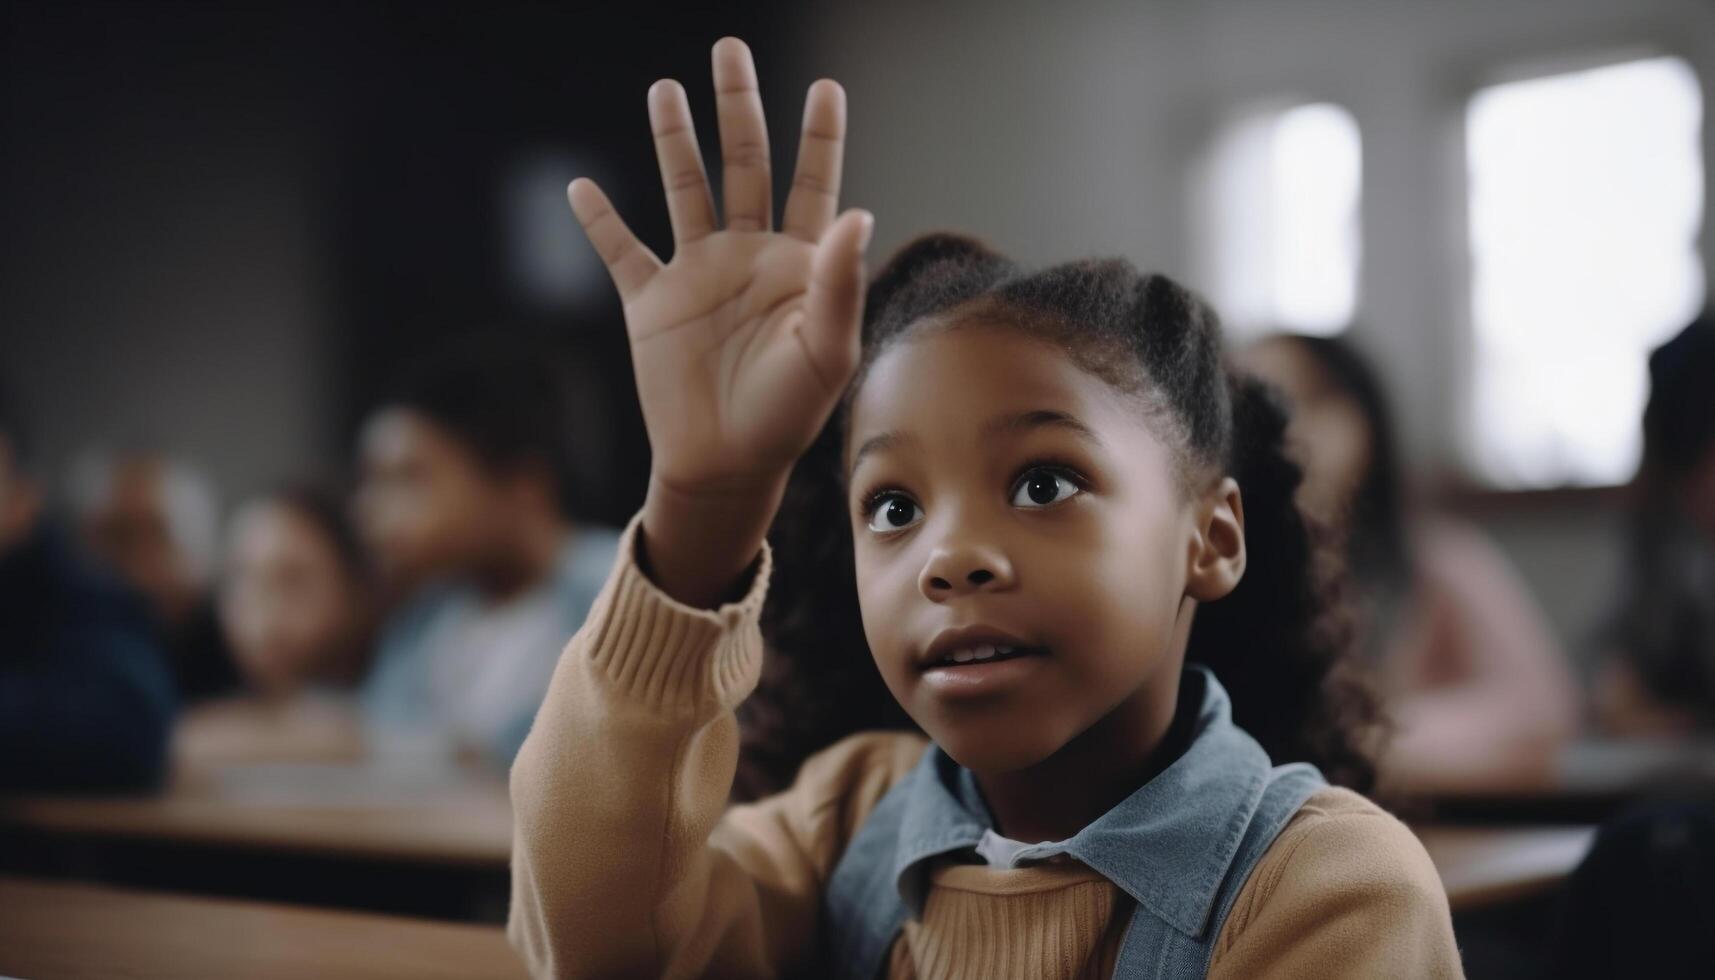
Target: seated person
(464, 476)
(155, 521)
(86, 697)
(1658, 677)
(296, 611)
(1479, 689)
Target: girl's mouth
(981, 653)
(982, 671)
(976, 643)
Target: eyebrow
(880, 443)
(1013, 424)
(1022, 422)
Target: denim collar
(1169, 845)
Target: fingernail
(867, 232)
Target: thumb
(834, 306)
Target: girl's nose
(960, 570)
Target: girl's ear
(1218, 544)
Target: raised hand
(743, 343)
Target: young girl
(1043, 478)
(296, 606)
(296, 597)
(1479, 689)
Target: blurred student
(1641, 902)
(86, 699)
(295, 595)
(296, 608)
(1643, 899)
(465, 472)
(156, 522)
(1479, 690)
(1659, 675)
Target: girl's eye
(1043, 487)
(893, 512)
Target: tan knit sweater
(627, 861)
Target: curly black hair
(1281, 642)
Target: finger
(746, 193)
(689, 205)
(628, 261)
(834, 306)
(815, 194)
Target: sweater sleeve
(1345, 891)
(624, 861)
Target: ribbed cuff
(673, 656)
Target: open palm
(742, 343)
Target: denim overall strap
(1154, 949)
(885, 867)
(1181, 846)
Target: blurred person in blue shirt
(86, 694)
(465, 478)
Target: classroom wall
(164, 283)
(224, 227)
(174, 267)
(1060, 130)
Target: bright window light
(1586, 194)
(549, 263)
(1280, 203)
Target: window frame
(1464, 480)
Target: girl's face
(287, 602)
(1022, 544)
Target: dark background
(178, 178)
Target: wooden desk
(1618, 765)
(56, 930)
(1482, 866)
(441, 820)
(425, 841)
(1587, 782)
(68, 930)
(437, 817)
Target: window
(1279, 215)
(1586, 194)
(550, 265)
